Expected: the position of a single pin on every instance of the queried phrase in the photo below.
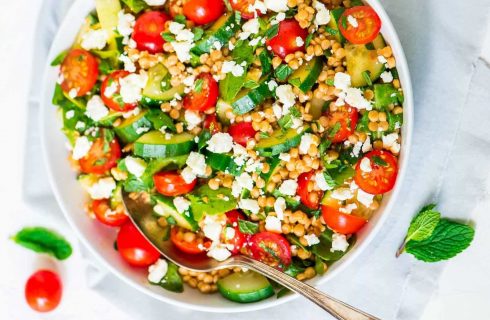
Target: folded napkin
(449, 153)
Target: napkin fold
(449, 164)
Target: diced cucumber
(247, 99)
(158, 88)
(379, 42)
(305, 77)
(224, 163)
(359, 60)
(165, 207)
(134, 127)
(280, 141)
(386, 94)
(245, 287)
(155, 144)
(333, 23)
(318, 107)
(220, 32)
(206, 201)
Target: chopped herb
(59, 58)
(198, 33)
(380, 162)
(272, 31)
(168, 36)
(250, 84)
(328, 178)
(332, 31)
(247, 227)
(203, 139)
(264, 135)
(171, 220)
(370, 46)
(180, 18)
(330, 82)
(136, 5)
(282, 72)
(265, 61)
(344, 22)
(308, 39)
(367, 76)
(333, 131)
(198, 85)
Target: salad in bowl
(265, 128)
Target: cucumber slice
(223, 162)
(154, 144)
(245, 287)
(158, 89)
(222, 107)
(280, 141)
(358, 60)
(166, 208)
(248, 99)
(134, 127)
(221, 31)
(305, 77)
(333, 24)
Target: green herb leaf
(380, 162)
(282, 72)
(43, 240)
(332, 31)
(272, 31)
(59, 58)
(135, 5)
(230, 86)
(265, 58)
(198, 33)
(247, 227)
(198, 85)
(168, 36)
(333, 131)
(328, 178)
(243, 51)
(172, 281)
(308, 39)
(180, 18)
(204, 137)
(367, 77)
(250, 84)
(343, 20)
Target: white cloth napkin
(449, 164)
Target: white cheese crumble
(321, 182)
(193, 119)
(135, 166)
(339, 242)
(348, 208)
(212, 228)
(322, 16)
(390, 142)
(299, 41)
(229, 233)
(94, 39)
(250, 205)
(387, 77)
(233, 68)
(342, 194)
(273, 224)
(102, 189)
(181, 204)
(157, 271)
(245, 181)
(341, 81)
(365, 165)
(125, 23)
(220, 142)
(184, 41)
(277, 5)
(279, 207)
(365, 198)
(355, 98)
(285, 157)
(219, 253)
(73, 93)
(306, 142)
(69, 114)
(131, 87)
(129, 65)
(352, 21)
(288, 187)
(367, 146)
(311, 239)
(197, 162)
(249, 28)
(188, 175)
(81, 148)
(96, 109)
(155, 2)
(286, 96)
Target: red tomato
(309, 198)
(196, 246)
(244, 7)
(98, 160)
(79, 71)
(382, 177)
(347, 117)
(206, 97)
(105, 214)
(43, 290)
(148, 31)
(242, 132)
(239, 239)
(341, 222)
(271, 248)
(367, 26)
(211, 123)
(286, 40)
(172, 184)
(134, 247)
(204, 11)
(109, 91)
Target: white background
(455, 298)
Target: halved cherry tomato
(148, 31)
(79, 72)
(366, 27)
(172, 184)
(341, 222)
(271, 248)
(43, 290)
(105, 214)
(109, 91)
(346, 117)
(242, 132)
(244, 7)
(101, 157)
(382, 177)
(239, 239)
(205, 97)
(211, 123)
(204, 11)
(286, 41)
(134, 247)
(197, 244)
(308, 197)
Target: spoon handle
(336, 308)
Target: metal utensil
(141, 213)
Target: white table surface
(455, 298)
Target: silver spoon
(141, 213)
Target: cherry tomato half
(341, 222)
(79, 71)
(107, 215)
(346, 117)
(205, 97)
(244, 7)
(366, 24)
(172, 184)
(211, 123)
(148, 31)
(109, 91)
(193, 244)
(43, 290)
(308, 197)
(382, 177)
(289, 39)
(242, 132)
(238, 239)
(134, 248)
(271, 248)
(203, 11)
(101, 157)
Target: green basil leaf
(180, 18)
(265, 58)
(43, 240)
(272, 31)
(282, 72)
(247, 227)
(59, 58)
(231, 85)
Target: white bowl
(100, 239)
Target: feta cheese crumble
(339, 242)
(387, 77)
(188, 175)
(220, 142)
(311, 239)
(219, 253)
(365, 198)
(181, 204)
(288, 187)
(286, 96)
(102, 189)
(279, 207)
(155, 2)
(365, 165)
(192, 118)
(322, 16)
(157, 271)
(94, 39)
(306, 141)
(233, 68)
(342, 194)
(277, 5)
(341, 81)
(131, 87)
(250, 205)
(197, 162)
(81, 148)
(135, 166)
(321, 182)
(273, 224)
(96, 109)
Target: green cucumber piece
(280, 141)
(221, 31)
(245, 287)
(333, 23)
(206, 201)
(134, 127)
(386, 94)
(318, 107)
(247, 99)
(184, 220)
(154, 144)
(222, 107)
(157, 89)
(223, 162)
(359, 60)
(305, 77)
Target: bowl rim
(394, 194)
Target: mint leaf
(448, 240)
(43, 240)
(247, 227)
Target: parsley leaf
(180, 18)
(198, 85)
(308, 39)
(380, 162)
(231, 85)
(282, 72)
(168, 36)
(59, 58)
(328, 178)
(272, 31)
(43, 240)
(265, 61)
(247, 227)
(198, 33)
(367, 77)
(136, 5)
